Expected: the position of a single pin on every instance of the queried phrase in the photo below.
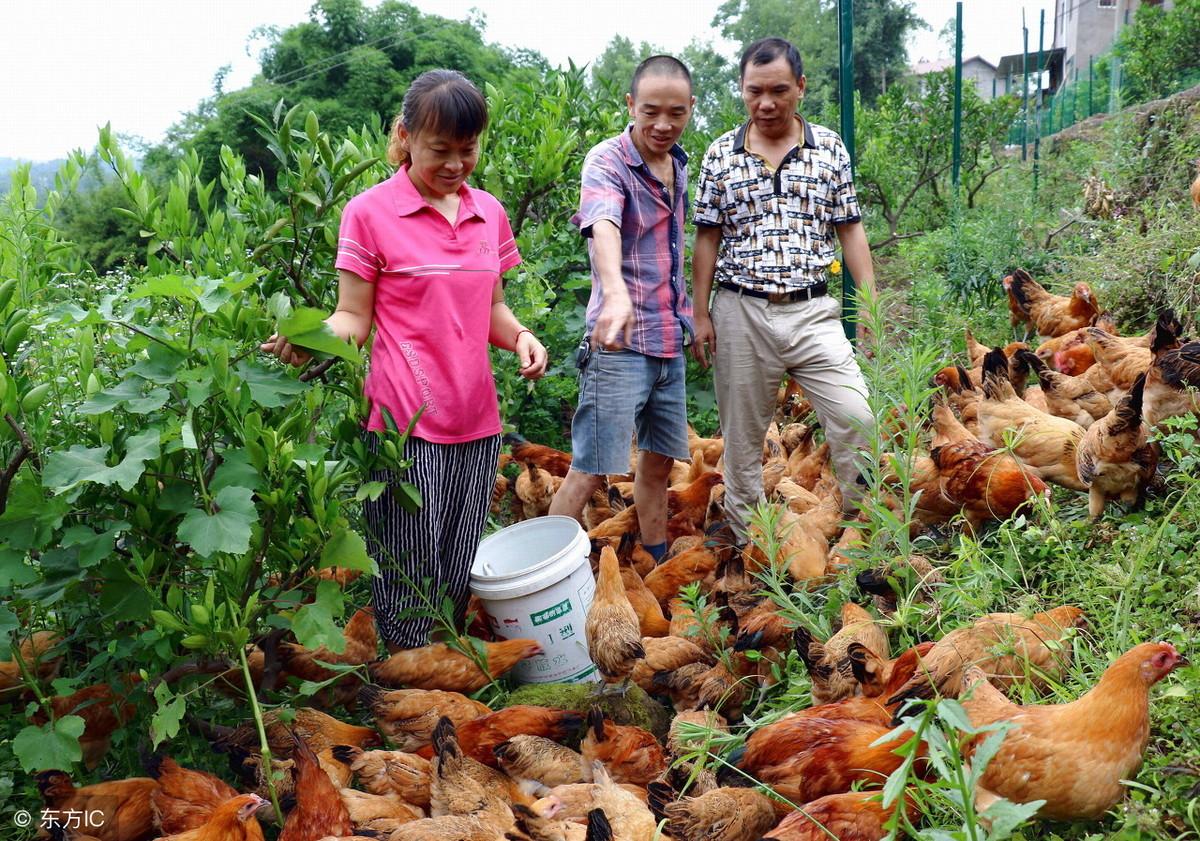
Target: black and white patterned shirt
(777, 227)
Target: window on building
(1108, 4)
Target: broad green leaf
(161, 365)
(306, 455)
(187, 434)
(53, 746)
(313, 623)
(14, 571)
(8, 623)
(306, 328)
(93, 547)
(125, 395)
(347, 549)
(228, 530)
(164, 724)
(210, 293)
(1005, 816)
(65, 470)
(270, 387)
(235, 469)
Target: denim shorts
(621, 391)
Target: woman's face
(438, 165)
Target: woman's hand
(288, 353)
(532, 355)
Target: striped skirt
(433, 548)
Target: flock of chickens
(456, 770)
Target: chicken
(645, 604)
(668, 578)
(185, 799)
(985, 483)
(103, 710)
(850, 816)
(405, 775)
(878, 582)
(878, 679)
(681, 736)
(319, 810)
(367, 810)
(460, 785)
(1073, 398)
(541, 759)
(438, 666)
(711, 449)
(631, 754)
(1172, 385)
(628, 814)
(692, 501)
(723, 814)
(319, 730)
(1114, 459)
(535, 489)
(1053, 315)
(1074, 756)
(804, 758)
(614, 635)
(232, 820)
(1016, 312)
(1005, 646)
(34, 651)
(666, 654)
(1120, 362)
(1044, 443)
(493, 824)
(362, 646)
(479, 737)
(763, 626)
(407, 716)
(555, 462)
(249, 765)
(829, 663)
(118, 810)
(803, 538)
(1196, 192)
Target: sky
(70, 66)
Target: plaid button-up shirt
(777, 227)
(617, 185)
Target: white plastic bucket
(535, 582)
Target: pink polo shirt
(433, 305)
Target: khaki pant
(757, 343)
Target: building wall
(981, 74)
(1087, 28)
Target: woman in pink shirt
(419, 259)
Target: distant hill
(41, 173)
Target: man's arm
(614, 325)
(704, 266)
(857, 254)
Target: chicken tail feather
(598, 828)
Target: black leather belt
(806, 293)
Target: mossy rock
(636, 707)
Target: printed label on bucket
(552, 613)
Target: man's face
(771, 94)
(660, 111)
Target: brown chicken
(984, 483)
(1006, 646)
(319, 730)
(460, 785)
(828, 663)
(1172, 384)
(651, 620)
(878, 679)
(479, 737)
(1122, 363)
(1114, 459)
(535, 489)
(1073, 398)
(666, 579)
(438, 666)
(692, 501)
(1044, 443)
(249, 765)
(1196, 192)
(319, 810)
(630, 818)
(803, 758)
(186, 799)
(232, 820)
(407, 716)
(723, 814)
(803, 538)
(34, 651)
(541, 759)
(370, 810)
(614, 635)
(1074, 756)
(1053, 315)
(118, 810)
(491, 824)
(631, 754)
(395, 772)
(850, 816)
(362, 646)
(555, 462)
(665, 655)
(103, 710)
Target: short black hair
(442, 101)
(660, 65)
(766, 50)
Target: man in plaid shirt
(632, 207)
(772, 195)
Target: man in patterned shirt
(632, 207)
(772, 194)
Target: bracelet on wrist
(517, 337)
